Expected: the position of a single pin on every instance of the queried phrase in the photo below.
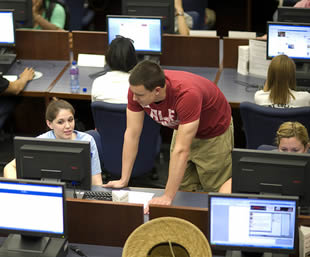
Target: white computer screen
(257, 223)
(292, 40)
(32, 207)
(7, 35)
(146, 33)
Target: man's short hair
(149, 74)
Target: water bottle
(74, 78)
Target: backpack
(51, 7)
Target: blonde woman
(280, 87)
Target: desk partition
(230, 51)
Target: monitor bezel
(19, 141)
(138, 17)
(39, 233)
(127, 4)
(7, 44)
(247, 248)
(295, 59)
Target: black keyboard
(299, 88)
(303, 82)
(98, 195)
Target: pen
(77, 250)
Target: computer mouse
(37, 75)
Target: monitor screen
(271, 172)
(22, 10)
(32, 208)
(54, 159)
(162, 8)
(253, 223)
(7, 28)
(146, 32)
(293, 14)
(291, 39)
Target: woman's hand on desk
(162, 200)
(115, 184)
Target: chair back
(110, 122)
(261, 123)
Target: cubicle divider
(197, 216)
(102, 222)
(230, 51)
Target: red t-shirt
(189, 97)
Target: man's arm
(178, 162)
(182, 26)
(9, 170)
(15, 87)
(96, 179)
(130, 147)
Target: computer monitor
(293, 14)
(162, 8)
(7, 28)
(22, 10)
(146, 32)
(293, 40)
(68, 161)
(33, 213)
(271, 172)
(247, 223)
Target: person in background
(200, 154)
(9, 90)
(183, 21)
(291, 137)
(280, 87)
(59, 117)
(48, 15)
(113, 86)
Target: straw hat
(167, 236)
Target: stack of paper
(304, 241)
(258, 62)
(241, 34)
(243, 60)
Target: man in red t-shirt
(197, 110)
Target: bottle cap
(84, 89)
(73, 62)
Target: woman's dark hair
(121, 55)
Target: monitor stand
(7, 59)
(253, 254)
(23, 246)
(153, 58)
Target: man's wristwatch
(179, 13)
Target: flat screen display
(7, 28)
(291, 39)
(253, 222)
(146, 32)
(32, 208)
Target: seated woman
(291, 137)
(279, 89)
(48, 15)
(60, 119)
(113, 86)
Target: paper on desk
(203, 33)
(241, 34)
(258, 62)
(10, 77)
(139, 197)
(243, 60)
(91, 60)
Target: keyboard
(98, 195)
(303, 82)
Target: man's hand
(162, 200)
(27, 74)
(115, 184)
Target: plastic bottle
(74, 78)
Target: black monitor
(247, 224)
(22, 10)
(293, 40)
(271, 172)
(163, 8)
(293, 14)
(68, 161)
(7, 28)
(33, 213)
(146, 32)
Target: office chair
(80, 16)
(110, 123)
(260, 123)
